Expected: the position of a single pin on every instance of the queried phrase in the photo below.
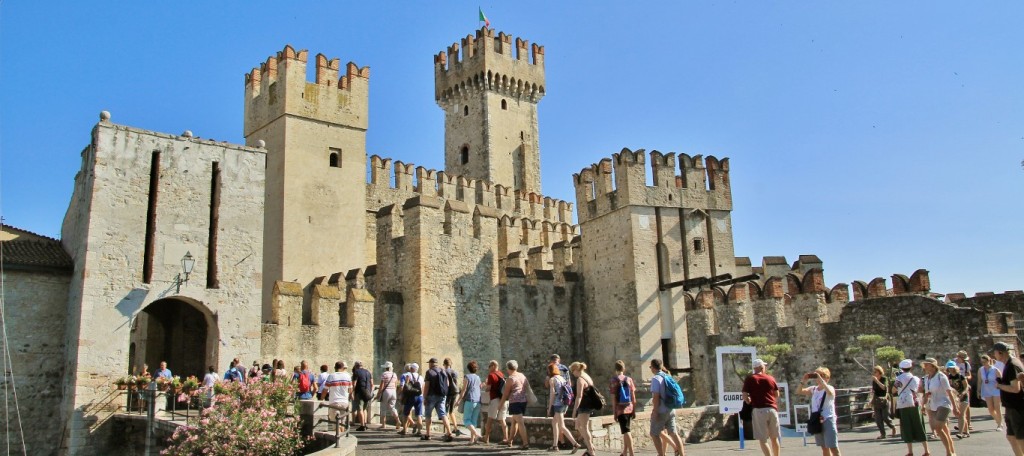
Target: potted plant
(142, 381)
(190, 384)
(122, 383)
(162, 384)
(175, 384)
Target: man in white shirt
(339, 387)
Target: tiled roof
(43, 252)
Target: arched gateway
(179, 330)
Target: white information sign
(783, 403)
(734, 364)
(801, 413)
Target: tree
(771, 354)
(868, 351)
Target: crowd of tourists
(942, 393)
(490, 402)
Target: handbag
(592, 399)
(531, 399)
(814, 425)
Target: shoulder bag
(814, 421)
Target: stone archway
(178, 330)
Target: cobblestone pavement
(858, 442)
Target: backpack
(592, 399)
(453, 383)
(305, 382)
(624, 396)
(501, 385)
(671, 394)
(412, 388)
(442, 382)
(565, 393)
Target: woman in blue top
(470, 400)
(823, 399)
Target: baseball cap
(1001, 347)
(432, 361)
(951, 364)
(388, 365)
(906, 364)
(759, 363)
(554, 357)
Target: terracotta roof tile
(42, 252)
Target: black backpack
(412, 388)
(453, 383)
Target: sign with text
(735, 363)
(783, 403)
(801, 413)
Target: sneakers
(425, 437)
(459, 431)
(447, 438)
(999, 428)
(361, 428)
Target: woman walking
(623, 394)
(558, 394)
(580, 411)
(962, 390)
(988, 375)
(516, 387)
(941, 402)
(823, 401)
(880, 401)
(470, 400)
(386, 395)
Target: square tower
(490, 101)
(315, 136)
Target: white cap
(906, 364)
(759, 363)
(388, 365)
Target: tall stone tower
(315, 135)
(490, 97)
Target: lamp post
(187, 263)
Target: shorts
(435, 403)
(497, 410)
(559, 409)
(766, 423)
(1014, 423)
(665, 422)
(829, 435)
(471, 414)
(911, 425)
(938, 417)
(583, 410)
(342, 407)
(449, 403)
(410, 405)
(516, 408)
(359, 402)
(625, 420)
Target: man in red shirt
(761, 392)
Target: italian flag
(483, 18)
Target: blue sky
(881, 136)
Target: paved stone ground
(858, 442)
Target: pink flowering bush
(246, 419)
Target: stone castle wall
(35, 304)
(106, 237)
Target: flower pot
(122, 387)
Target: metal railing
(852, 405)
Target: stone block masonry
(116, 320)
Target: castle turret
(490, 95)
(315, 136)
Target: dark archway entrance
(179, 331)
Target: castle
(301, 245)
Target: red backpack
(304, 382)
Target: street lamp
(187, 263)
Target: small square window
(698, 245)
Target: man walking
(362, 390)
(436, 390)
(1013, 399)
(663, 418)
(762, 393)
(339, 385)
(496, 410)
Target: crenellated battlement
(917, 283)
(622, 181)
(279, 86)
(489, 62)
(409, 180)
